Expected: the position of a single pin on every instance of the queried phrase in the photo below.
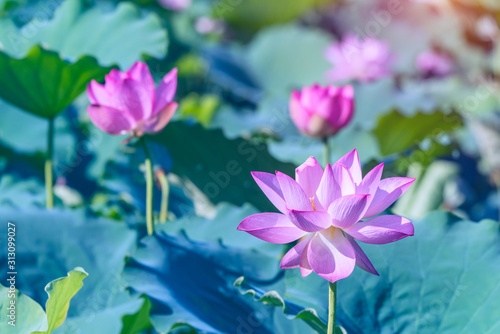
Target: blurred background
(426, 87)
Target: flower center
(312, 202)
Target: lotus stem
(332, 307)
(49, 182)
(165, 190)
(326, 151)
(149, 187)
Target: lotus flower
(327, 211)
(322, 111)
(129, 103)
(434, 64)
(356, 59)
(176, 5)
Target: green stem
(149, 187)
(165, 190)
(326, 151)
(49, 182)
(332, 307)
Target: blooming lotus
(327, 211)
(129, 103)
(322, 111)
(434, 64)
(357, 59)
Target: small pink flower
(176, 5)
(322, 111)
(434, 64)
(359, 59)
(129, 103)
(327, 210)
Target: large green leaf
(256, 14)
(58, 241)
(119, 37)
(442, 280)
(202, 257)
(60, 292)
(29, 315)
(288, 56)
(44, 84)
(218, 166)
(135, 323)
(396, 132)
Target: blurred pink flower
(129, 103)
(175, 4)
(322, 111)
(434, 64)
(356, 59)
(326, 211)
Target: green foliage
(29, 315)
(44, 84)
(277, 57)
(201, 108)
(250, 15)
(58, 241)
(60, 292)
(139, 321)
(396, 132)
(76, 31)
(218, 166)
(217, 252)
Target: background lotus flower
(434, 64)
(328, 210)
(322, 111)
(359, 59)
(129, 103)
(175, 4)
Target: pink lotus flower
(176, 5)
(322, 111)
(434, 64)
(356, 59)
(129, 103)
(327, 210)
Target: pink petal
(312, 96)
(351, 161)
(158, 122)
(370, 182)
(344, 179)
(347, 106)
(269, 184)
(292, 257)
(111, 120)
(132, 97)
(308, 176)
(140, 72)
(329, 189)
(330, 255)
(299, 115)
(362, 260)
(381, 230)
(113, 81)
(166, 90)
(305, 267)
(97, 94)
(389, 190)
(271, 227)
(310, 221)
(295, 197)
(348, 210)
